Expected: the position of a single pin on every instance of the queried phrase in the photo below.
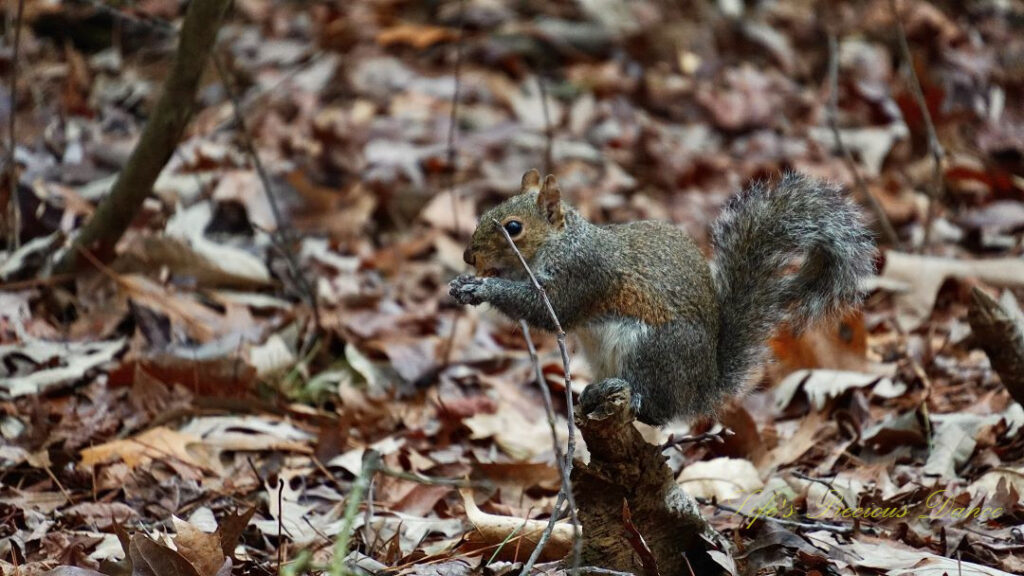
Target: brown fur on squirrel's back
(663, 275)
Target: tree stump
(635, 517)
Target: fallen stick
(934, 146)
(160, 137)
(1001, 336)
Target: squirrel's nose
(468, 257)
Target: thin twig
(453, 115)
(577, 543)
(369, 543)
(549, 407)
(14, 206)
(371, 463)
(832, 113)
(585, 569)
(280, 522)
(718, 437)
(826, 483)
(280, 236)
(560, 459)
(934, 146)
(501, 545)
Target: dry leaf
(417, 36)
(823, 385)
(720, 478)
(203, 551)
(159, 443)
(492, 530)
(920, 277)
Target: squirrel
(652, 314)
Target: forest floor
(232, 365)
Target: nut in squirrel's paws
(595, 395)
(467, 289)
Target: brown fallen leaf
(230, 528)
(792, 448)
(73, 571)
(998, 330)
(415, 35)
(102, 514)
(202, 550)
(150, 558)
(156, 443)
(899, 560)
(492, 530)
(842, 345)
(721, 478)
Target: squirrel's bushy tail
(789, 255)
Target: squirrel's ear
(530, 180)
(549, 200)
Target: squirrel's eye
(514, 228)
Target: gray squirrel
(651, 313)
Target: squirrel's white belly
(607, 343)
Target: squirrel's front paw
(467, 289)
(597, 393)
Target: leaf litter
(193, 379)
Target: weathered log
(635, 517)
(1001, 336)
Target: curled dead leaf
(492, 530)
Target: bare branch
(159, 138)
(832, 112)
(717, 437)
(577, 543)
(934, 146)
(281, 236)
(782, 521)
(549, 135)
(549, 408)
(1001, 336)
(432, 480)
(566, 487)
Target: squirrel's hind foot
(597, 394)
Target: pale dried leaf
(77, 359)
(823, 385)
(720, 478)
(924, 275)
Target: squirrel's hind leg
(673, 373)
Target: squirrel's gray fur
(759, 233)
(651, 313)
